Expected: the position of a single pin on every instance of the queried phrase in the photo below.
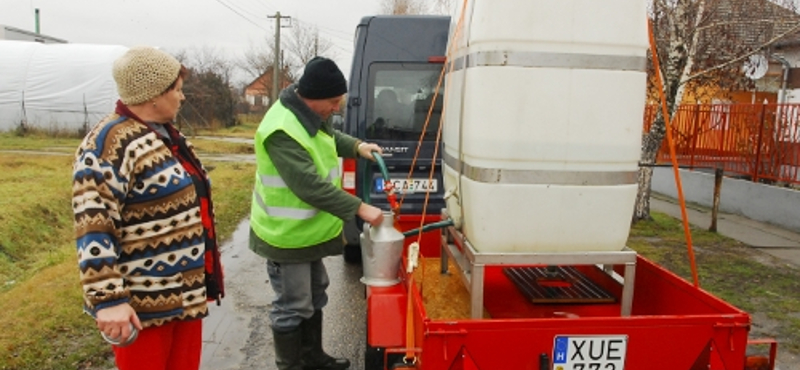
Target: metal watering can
(381, 252)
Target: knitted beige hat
(143, 73)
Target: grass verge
(749, 279)
(246, 128)
(43, 323)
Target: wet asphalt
(237, 336)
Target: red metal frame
(673, 326)
(756, 362)
(761, 141)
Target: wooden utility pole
(276, 64)
(715, 203)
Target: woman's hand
(115, 321)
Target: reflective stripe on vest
(293, 213)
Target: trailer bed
(672, 325)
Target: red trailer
(638, 316)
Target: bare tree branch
(258, 59)
(304, 43)
(742, 57)
(403, 7)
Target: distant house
(16, 34)
(789, 50)
(737, 18)
(257, 93)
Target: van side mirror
(337, 121)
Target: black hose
(429, 227)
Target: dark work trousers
(299, 290)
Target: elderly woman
(144, 221)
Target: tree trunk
(641, 210)
(651, 143)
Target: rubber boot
(288, 349)
(314, 357)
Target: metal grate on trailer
(557, 284)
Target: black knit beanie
(321, 79)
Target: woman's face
(168, 104)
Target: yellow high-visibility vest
(277, 215)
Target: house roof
(266, 79)
(738, 27)
(751, 23)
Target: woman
(144, 222)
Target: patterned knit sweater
(139, 230)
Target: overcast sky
(228, 25)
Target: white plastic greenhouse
(61, 87)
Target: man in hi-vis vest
(298, 209)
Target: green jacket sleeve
(346, 145)
(297, 169)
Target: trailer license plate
(590, 352)
(409, 186)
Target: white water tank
(543, 123)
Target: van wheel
(352, 253)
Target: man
(298, 209)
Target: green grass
(40, 296)
(221, 147)
(742, 276)
(246, 128)
(39, 141)
(35, 214)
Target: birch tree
(442, 6)
(704, 43)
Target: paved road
(237, 335)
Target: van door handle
(355, 101)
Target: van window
(400, 97)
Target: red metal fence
(760, 142)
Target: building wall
(766, 203)
(16, 34)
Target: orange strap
(667, 122)
(410, 356)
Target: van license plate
(409, 186)
(589, 352)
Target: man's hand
(365, 150)
(370, 214)
(115, 321)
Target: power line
(241, 10)
(241, 15)
(266, 9)
(347, 36)
(335, 37)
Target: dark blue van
(394, 75)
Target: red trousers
(176, 345)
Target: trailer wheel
(373, 358)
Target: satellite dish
(755, 66)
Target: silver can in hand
(116, 341)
